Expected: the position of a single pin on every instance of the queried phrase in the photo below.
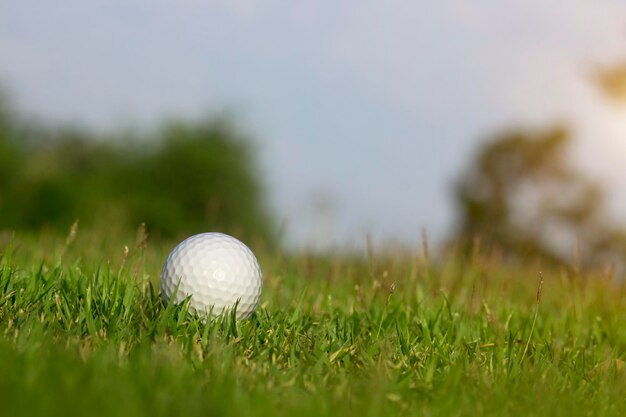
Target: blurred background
(315, 124)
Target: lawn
(84, 332)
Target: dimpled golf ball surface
(217, 270)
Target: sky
(365, 111)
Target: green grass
(84, 332)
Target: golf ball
(217, 271)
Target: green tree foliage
(522, 196)
(189, 177)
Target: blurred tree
(9, 152)
(612, 81)
(189, 177)
(201, 174)
(522, 196)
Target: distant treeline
(522, 197)
(186, 177)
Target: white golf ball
(217, 271)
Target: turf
(84, 332)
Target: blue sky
(372, 106)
